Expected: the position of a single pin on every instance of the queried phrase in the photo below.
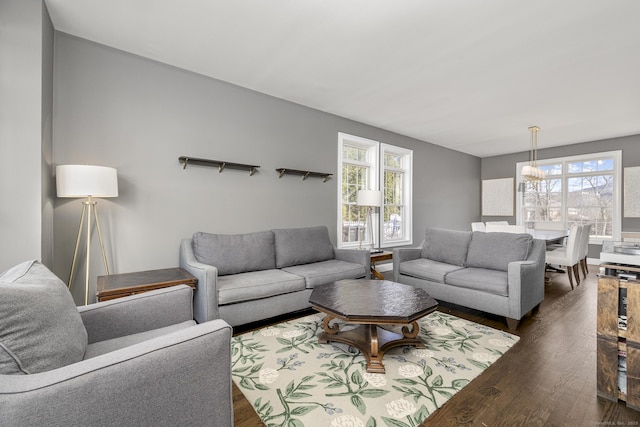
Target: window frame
(376, 152)
(407, 194)
(372, 148)
(616, 226)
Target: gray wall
(505, 166)
(26, 58)
(120, 110)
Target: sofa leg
(512, 324)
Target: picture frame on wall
(632, 192)
(498, 197)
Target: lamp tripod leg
(75, 252)
(370, 223)
(86, 282)
(104, 256)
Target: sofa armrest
(205, 298)
(401, 255)
(356, 256)
(180, 378)
(137, 313)
(526, 281)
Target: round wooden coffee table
(372, 303)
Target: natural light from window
(575, 190)
(366, 164)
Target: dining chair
(568, 256)
(478, 226)
(584, 248)
(499, 228)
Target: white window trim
(617, 189)
(376, 174)
(407, 169)
(373, 148)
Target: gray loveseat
(498, 273)
(134, 361)
(244, 278)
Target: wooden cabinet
(612, 340)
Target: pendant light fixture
(531, 172)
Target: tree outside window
(577, 190)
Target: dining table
(551, 237)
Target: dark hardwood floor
(547, 379)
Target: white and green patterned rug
(292, 380)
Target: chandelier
(531, 172)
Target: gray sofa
(134, 361)
(498, 273)
(244, 278)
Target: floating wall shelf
(305, 174)
(219, 163)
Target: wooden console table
(122, 285)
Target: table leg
(376, 273)
(372, 340)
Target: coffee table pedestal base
(372, 340)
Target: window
(576, 190)
(396, 165)
(365, 164)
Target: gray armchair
(146, 363)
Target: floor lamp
(87, 181)
(371, 199)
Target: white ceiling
(469, 75)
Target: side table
(125, 284)
(376, 257)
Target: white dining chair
(584, 248)
(568, 256)
(478, 226)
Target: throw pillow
(237, 253)
(448, 246)
(496, 250)
(40, 326)
(296, 246)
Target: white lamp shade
(85, 181)
(369, 198)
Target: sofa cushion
(113, 344)
(40, 327)
(497, 250)
(324, 272)
(257, 285)
(427, 269)
(482, 279)
(296, 246)
(235, 253)
(448, 246)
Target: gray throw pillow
(296, 246)
(40, 327)
(496, 250)
(236, 253)
(448, 246)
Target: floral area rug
(292, 380)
